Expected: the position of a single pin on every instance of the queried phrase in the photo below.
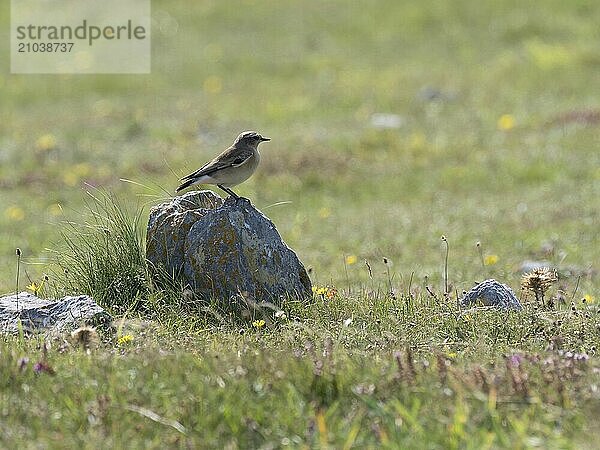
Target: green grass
(474, 380)
(310, 75)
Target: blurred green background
(392, 123)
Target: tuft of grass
(104, 257)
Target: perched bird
(232, 167)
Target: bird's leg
(229, 191)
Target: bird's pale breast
(233, 176)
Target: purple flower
(42, 366)
(515, 360)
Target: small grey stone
(432, 93)
(35, 313)
(386, 120)
(492, 293)
(222, 249)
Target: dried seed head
(18, 251)
(539, 280)
(86, 337)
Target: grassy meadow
(392, 123)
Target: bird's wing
(232, 157)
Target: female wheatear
(232, 167)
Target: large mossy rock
(222, 249)
(29, 313)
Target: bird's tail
(186, 184)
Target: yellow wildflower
(14, 213)
(588, 298)
(82, 169)
(506, 122)
(258, 324)
(212, 85)
(417, 140)
(55, 209)
(325, 291)
(548, 56)
(46, 142)
(125, 339)
(70, 178)
(319, 290)
(35, 287)
(75, 173)
(351, 259)
(324, 213)
(490, 260)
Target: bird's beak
(262, 138)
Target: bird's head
(250, 139)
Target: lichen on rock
(223, 248)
